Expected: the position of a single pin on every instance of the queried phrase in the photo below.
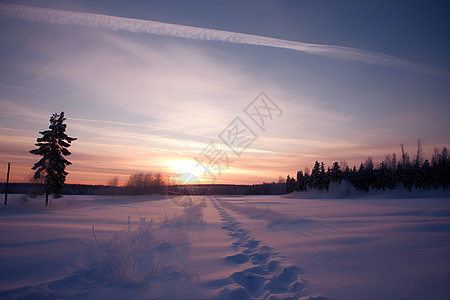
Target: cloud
(181, 31)
(177, 89)
(8, 107)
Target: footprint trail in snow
(265, 276)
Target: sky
(182, 86)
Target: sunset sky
(351, 79)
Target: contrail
(64, 17)
(110, 122)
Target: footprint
(258, 270)
(252, 244)
(238, 258)
(289, 274)
(234, 292)
(260, 258)
(273, 266)
(252, 282)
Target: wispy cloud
(110, 122)
(181, 31)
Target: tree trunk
(46, 196)
(7, 182)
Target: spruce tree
(52, 146)
(288, 185)
(300, 182)
(315, 176)
(336, 173)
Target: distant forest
(172, 190)
(391, 173)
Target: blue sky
(145, 102)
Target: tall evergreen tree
(288, 185)
(444, 168)
(315, 176)
(52, 146)
(300, 181)
(336, 173)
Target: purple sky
(352, 81)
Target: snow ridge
(262, 213)
(267, 277)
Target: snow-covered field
(263, 247)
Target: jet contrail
(64, 17)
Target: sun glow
(187, 171)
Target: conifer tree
(300, 181)
(315, 176)
(288, 187)
(52, 146)
(336, 173)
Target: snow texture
(263, 213)
(86, 247)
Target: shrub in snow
(131, 257)
(128, 259)
(192, 215)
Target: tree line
(391, 173)
(228, 189)
(146, 183)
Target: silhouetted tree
(114, 181)
(145, 183)
(324, 178)
(315, 176)
(300, 181)
(427, 175)
(405, 156)
(419, 155)
(336, 173)
(444, 168)
(52, 146)
(381, 177)
(290, 185)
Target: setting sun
(187, 171)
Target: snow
(252, 247)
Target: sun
(186, 166)
(187, 171)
